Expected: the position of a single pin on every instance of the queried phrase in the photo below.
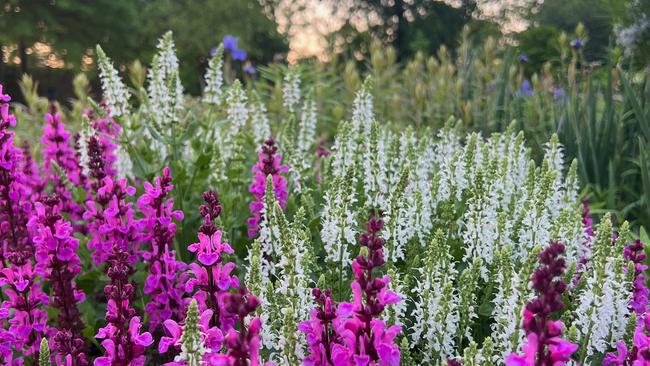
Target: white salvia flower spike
(291, 90)
(212, 92)
(115, 92)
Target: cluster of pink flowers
(58, 262)
(37, 243)
(57, 149)
(122, 341)
(243, 346)
(269, 164)
(14, 197)
(23, 306)
(639, 354)
(210, 282)
(353, 333)
(111, 221)
(165, 283)
(545, 347)
(211, 277)
(33, 182)
(22, 298)
(635, 254)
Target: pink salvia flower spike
(545, 346)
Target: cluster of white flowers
(212, 92)
(363, 114)
(339, 221)
(436, 301)
(165, 94)
(601, 316)
(375, 164)
(350, 136)
(237, 116)
(279, 273)
(291, 90)
(123, 164)
(400, 218)
(259, 120)
(269, 234)
(486, 193)
(237, 110)
(307, 126)
(165, 89)
(294, 285)
(115, 92)
(511, 296)
(85, 131)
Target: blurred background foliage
(481, 61)
(54, 39)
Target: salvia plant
(314, 242)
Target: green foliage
(541, 45)
(200, 25)
(72, 26)
(410, 26)
(598, 16)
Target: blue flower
(249, 69)
(526, 89)
(577, 43)
(523, 58)
(559, 95)
(238, 54)
(230, 43)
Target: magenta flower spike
(242, 345)
(319, 329)
(122, 340)
(353, 333)
(228, 338)
(15, 205)
(209, 281)
(211, 277)
(57, 148)
(58, 262)
(639, 353)
(269, 164)
(544, 346)
(165, 283)
(33, 183)
(24, 322)
(111, 221)
(635, 253)
(107, 132)
(23, 307)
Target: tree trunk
(23, 57)
(399, 41)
